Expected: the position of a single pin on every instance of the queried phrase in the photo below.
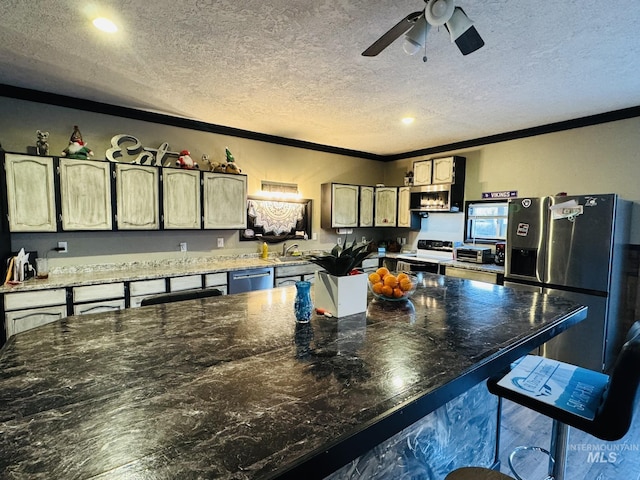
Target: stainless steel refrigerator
(574, 246)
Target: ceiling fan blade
(388, 38)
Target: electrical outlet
(63, 247)
(220, 242)
(314, 236)
(183, 246)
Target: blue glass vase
(303, 307)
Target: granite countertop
(231, 387)
(107, 273)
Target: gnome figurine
(231, 166)
(77, 148)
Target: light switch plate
(183, 246)
(220, 242)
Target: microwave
(473, 254)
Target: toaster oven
(474, 254)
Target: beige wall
(258, 160)
(597, 159)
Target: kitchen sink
(287, 259)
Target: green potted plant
(341, 289)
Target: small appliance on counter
(473, 254)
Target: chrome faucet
(285, 249)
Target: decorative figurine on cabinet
(231, 166)
(185, 161)
(222, 167)
(77, 148)
(42, 143)
(215, 167)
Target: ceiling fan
(416, 25)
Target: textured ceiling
(294, 69)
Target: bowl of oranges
(392, 286)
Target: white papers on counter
(16, 267)
(559, 384)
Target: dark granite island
(231, 387)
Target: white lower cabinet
(216, 280)
(289, 275)
(27, 310)
(284, 281)
(370, 265)
(98, 307)
(481, 276)
(98, 298)
(140, 289)
(188, 282)
(23, 320)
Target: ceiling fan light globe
(438, 12)
(416, 38)
(410, 47)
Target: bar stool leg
(559, 440)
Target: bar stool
(612, 398)
(180, 296)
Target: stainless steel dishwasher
(251, 279)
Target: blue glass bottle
(303, 307)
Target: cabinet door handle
(254, 275)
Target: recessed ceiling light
(408, 120)
(105, 25)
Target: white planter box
(341, 296)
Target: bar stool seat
(598, 404)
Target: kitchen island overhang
(225, 388)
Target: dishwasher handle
(251, 275)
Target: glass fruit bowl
(392, 286)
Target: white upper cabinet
(85, 189)
(386, 206)
(339, 205)
(137, 197)
(366, 206)
(30, 193)
(404, 199)
(181, 198)
(422, 172)
(443, 170)
(225, 200)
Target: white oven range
(428, 257)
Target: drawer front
(309, 278)
(370, 263)
(215, 279)
(98, 307)
(23, 320)
(285, 281)
(292, 270)
(177, 284)
(487, 277)
(40, 298)
(147, 287)
(98, 292)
